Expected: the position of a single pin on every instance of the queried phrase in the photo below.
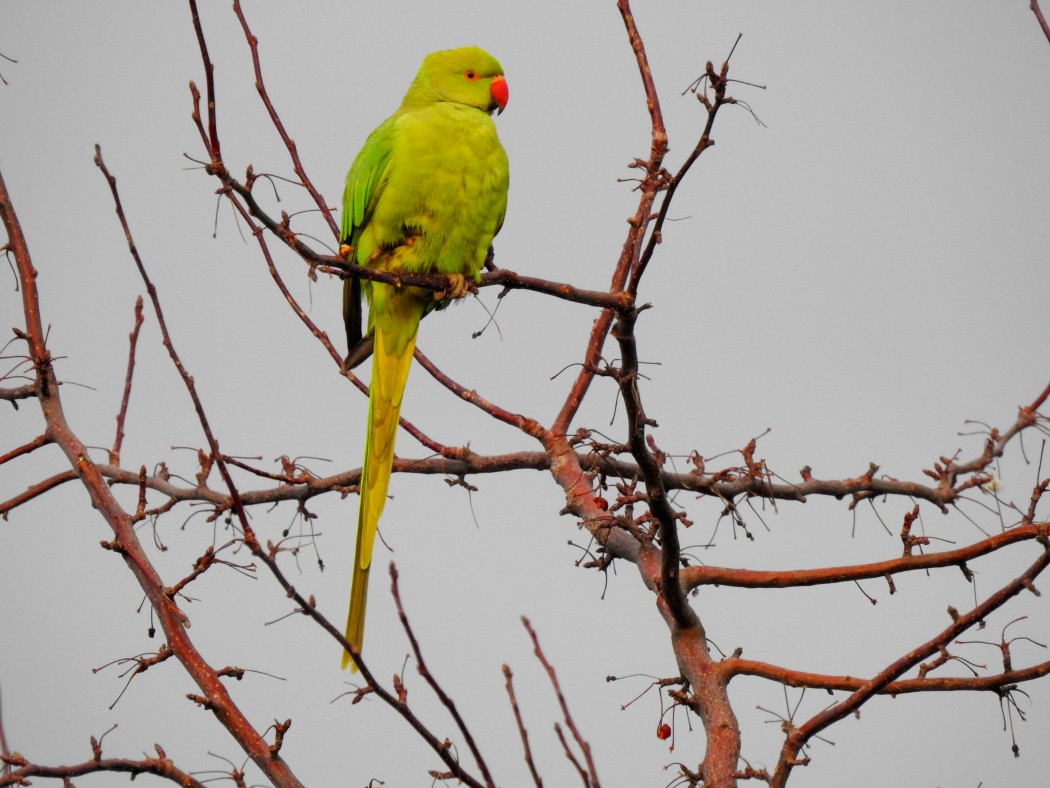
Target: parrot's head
(467, 75)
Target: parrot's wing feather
(366, 179)
(364, 186)
(352, 320)
(359, 352)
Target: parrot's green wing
(426, 195)
(364, 187)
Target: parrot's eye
(471, 75)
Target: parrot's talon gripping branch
(457, 288)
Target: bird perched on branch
(426, 195)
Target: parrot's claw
(457, 288)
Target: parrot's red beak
(500, 93)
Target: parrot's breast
(446, 190)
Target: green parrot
(426, 195)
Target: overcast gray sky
(862, 274)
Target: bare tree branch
(161, 766)
(590, 777)
(1034, 5)
(797, 737)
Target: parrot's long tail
(396, 314)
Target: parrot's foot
(457, 288)
(345, 250)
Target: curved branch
(652, 98)
(799, 678)
(695, 576)
(524, 423)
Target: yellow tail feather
(396, 313)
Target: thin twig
(4, 751)
(1042, 19)
(211, 137)
(524, 423)
(289, 143)
(446, 701)
(521, 728)
(718, 82)
(637, 225)
(585, 748)
(133, 338)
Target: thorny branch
(798, 678)
(161, 766)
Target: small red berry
(663, 732)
